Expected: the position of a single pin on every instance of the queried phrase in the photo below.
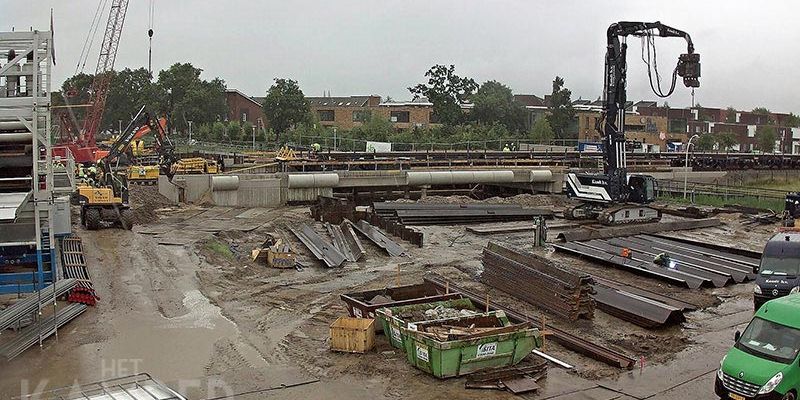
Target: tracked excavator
(103, 196)
(616, 197)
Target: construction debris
(33, 302)
(515, 379)
(74, 266)
(692, 266)
(538, 281)
(40, 330)
(322, 249)
(364, 304)
(562, 337)
(587, 233)
(435, 214)
(638, 310)
(345, 239)
(275, 253)
(379, 238)
(494, 228)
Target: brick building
(742, 124)
(349, 112)
(244, 109)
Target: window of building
(361, 115)
(400, 116)
(325, 115)
(677, 126)
(244, 115)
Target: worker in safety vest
(506, 148)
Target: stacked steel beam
(538, 281)
(435, 214)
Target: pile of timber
(516, 379)
(450, 214)
(538, 281)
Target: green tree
(726, 140)
(129, 91)
(247, 131)
(234, 131)
(541, 132)
(765, 138)
(705, 142)
(74, 91)
(285, 106)
(760, 110)
(376, 128)
(218, 132)
(494, 103)
(203, 132)
(562, 115)
(793, 121)
(186, 97)
(730, 115)
(447, 91)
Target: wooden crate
(353, 335)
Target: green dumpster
(394, 318)
(498, 344)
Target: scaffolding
(27, 234)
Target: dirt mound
(144, 201)
(524, 200)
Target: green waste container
(394, 318)
(449, 358)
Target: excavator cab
(643, 188)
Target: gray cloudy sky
(748, 49)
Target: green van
(764, 362)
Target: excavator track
(628, 214)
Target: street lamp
(254, 137)
(686, 165)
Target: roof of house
(420, 101)
(253, 99)
(529, 100)
(350, 101)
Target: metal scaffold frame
(25, 109)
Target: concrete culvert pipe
(17, 137)
(541, 175)
(224, 183)
(300, 181)
(458, 177)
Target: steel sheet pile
(538, 281)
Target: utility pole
(190, 131)
(254, 137)
(686, 165)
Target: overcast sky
(748, 50)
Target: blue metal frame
(28, 282)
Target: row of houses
(655, 128)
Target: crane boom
(615, 197)
(103, 76)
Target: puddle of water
(172, 348)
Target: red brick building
(244, 109)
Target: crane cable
(648, 43)
(87, 44)
(151, 17)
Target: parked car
(763, 363)
(779, 269)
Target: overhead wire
(87, 44)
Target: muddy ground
(181, 300)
